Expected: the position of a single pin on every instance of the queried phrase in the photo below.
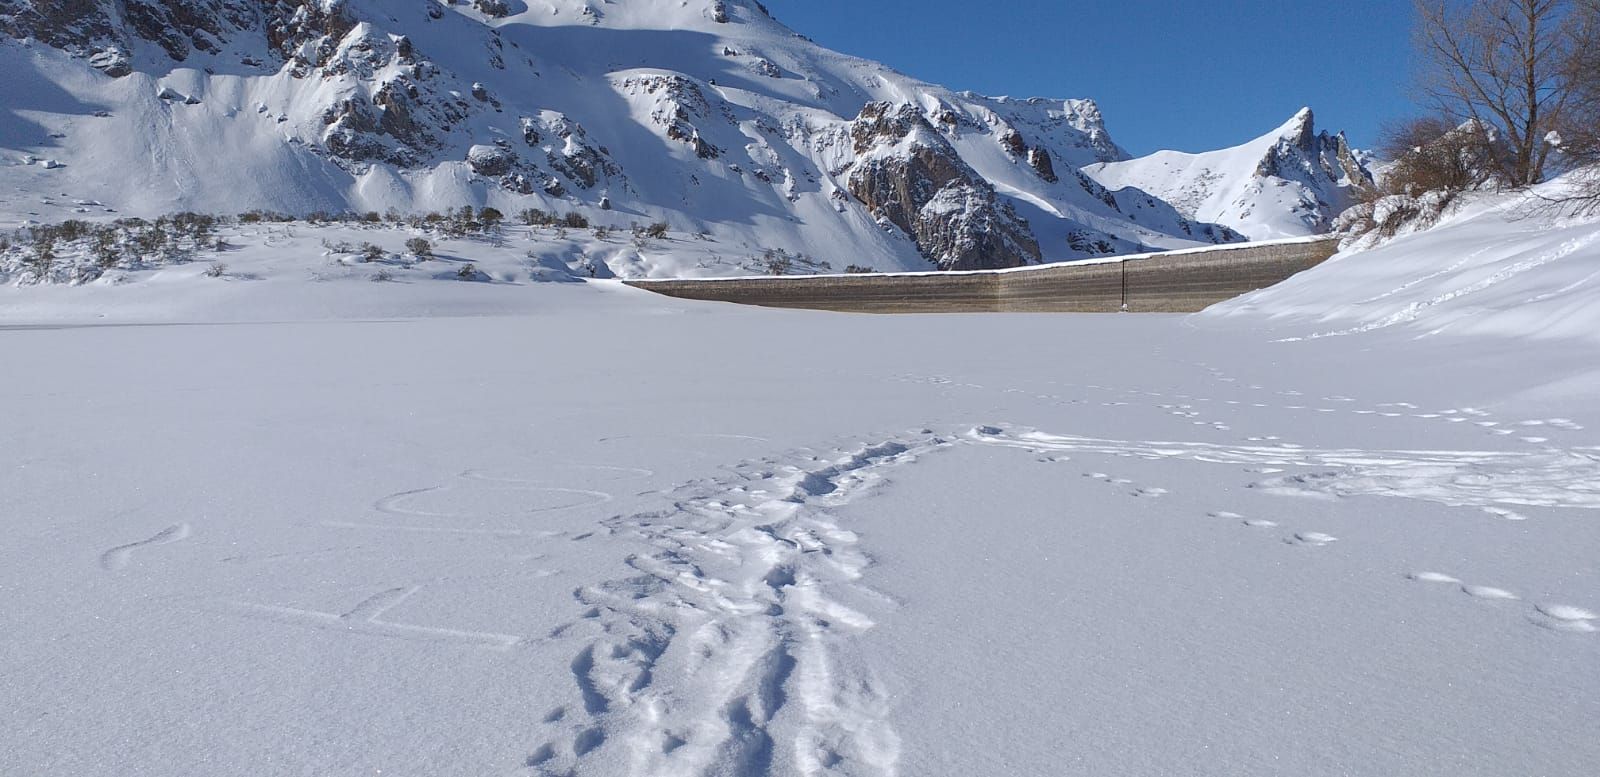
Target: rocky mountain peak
(1301, 153)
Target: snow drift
(1508, 265)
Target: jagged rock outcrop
(1303, 153)
(913, 178)
(1290, 182)
(292, 30)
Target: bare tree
(1580, 126)
(1433, 153)
(1502, 64)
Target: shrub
(1435, 162)
(216, 270)
(777, 262)
(856, 269)
(656, 231)
(491, 217)
(420, 247)
(104, 248)
(534, 217)
(371, 253)
(575, 221)
(260, 216)
(468, 272)
(44, 257)
(602, 233)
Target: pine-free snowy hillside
(1290, 182)
(707, 114)
(1501, 266)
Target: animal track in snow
(1562, 617)
(117, 558)
(1501, 512)
(1311, 539)
(1556, 617)
(1134, 489)
(1254, 523)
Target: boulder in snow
(112, 61)
(493, 161)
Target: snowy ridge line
(1201, 250)
(748, 602)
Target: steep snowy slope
(708, 114)
(1290, 182)
(1504, 266)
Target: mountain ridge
(707, 114)
(1290, 182)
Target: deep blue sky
(1187, 74)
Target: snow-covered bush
(420, 247)
(1435, 163)
(1383, 218)
(76, 251)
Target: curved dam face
(1171, 282)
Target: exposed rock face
(577, 159)
(180, 27)
(911, 177)
(1039, 160)
(678, 105)
(492, 8)
(1304, 153)
(79, 26)
(490, 160)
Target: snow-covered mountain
(707, 114)
(1290, 182)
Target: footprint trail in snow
(744, 603)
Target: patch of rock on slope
(913, 178)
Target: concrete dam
(1168, 282)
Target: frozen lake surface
(607, 533)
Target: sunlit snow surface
(351, 529)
